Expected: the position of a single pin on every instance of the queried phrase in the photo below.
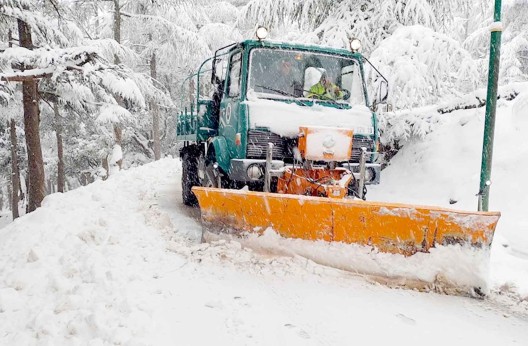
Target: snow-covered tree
(372, 21)
(423, 65)
(514, 54)
(29, 63)
(99, 76)
(335, 22)
(379, 24)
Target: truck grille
(358, 143)
(282, 149)
(258, 144)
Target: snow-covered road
(120, 262)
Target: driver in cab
(286, 82)
(325, 90)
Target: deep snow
(120, 262)
(5, 217)
(445, 166)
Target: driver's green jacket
(319, 91)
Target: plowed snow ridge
(120, 262)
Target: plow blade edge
(388, 227)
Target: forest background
(89, 87)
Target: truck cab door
(230, 105)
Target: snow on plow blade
(390, 228)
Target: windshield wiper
(283, 93)
(326, 99)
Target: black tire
(207, 177)
(189, 178)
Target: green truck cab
(257, 92)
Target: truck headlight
(262, 33)
(355, 44)
(255, 172)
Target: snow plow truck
(285, 136)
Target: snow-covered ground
(120, 262)
(446, 166)
(5, 217)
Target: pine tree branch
(22, 75)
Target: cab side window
(234, 75)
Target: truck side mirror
(382, 93)
(382, 89)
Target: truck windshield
(290, 74)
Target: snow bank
(120, 262)
(5, 218)
(451, 269)
(443, 167)
(82, 267)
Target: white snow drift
(120, 262)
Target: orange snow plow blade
(392, 228)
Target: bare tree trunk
(21, 192)
(10, 38)
(106, 167)
(26, 196)
(60, 150)
(117, 27)
(36, 188)
(154, 107)
(118, 132)
(96, 14)
(9, 194)
(15, 175)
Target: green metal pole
(491, 107)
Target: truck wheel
(189, 178)
(207, 173)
